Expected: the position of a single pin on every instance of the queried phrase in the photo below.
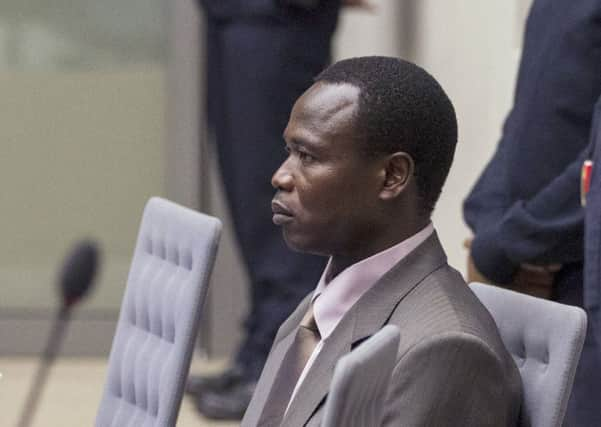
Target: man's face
(327, 189)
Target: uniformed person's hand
(535, 280)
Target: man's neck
(339, 262)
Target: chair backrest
(160, 315)
(545, 339)
(360, 382)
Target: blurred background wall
(82, 142)
(100, 109)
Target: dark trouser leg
(583, 407)
(257, 70)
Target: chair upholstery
(360, 382)
(160, 315)
(545, 339)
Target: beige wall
(370, 32)
(80, 154)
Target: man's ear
(398, 172)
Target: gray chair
(160, 315)
(360, 382)
(545, 339)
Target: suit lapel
(282, 343)
(375, 307)
(366, 317)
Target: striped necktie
(306, 339)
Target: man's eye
(305, 157)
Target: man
(370, 145)
(525, 210)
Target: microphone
(75, 281)
(77, 273)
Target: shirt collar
(332, 299)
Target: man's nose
(282, 178)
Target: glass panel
(81, 139)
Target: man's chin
(300, 244)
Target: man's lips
(281, 214)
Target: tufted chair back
(545, 339)
(160, 315)
(360, 382)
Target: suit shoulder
(453, 342)
(443, 305)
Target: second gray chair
(545, 339)
(160, 315)
(360, 382)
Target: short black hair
(402, 108)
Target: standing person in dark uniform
(591, 179)
(525, 209)
(261, 55)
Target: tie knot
(308, 321)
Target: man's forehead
(326, 101)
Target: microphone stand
(53, 345)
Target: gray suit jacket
(451, 369)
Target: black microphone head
(78, 272)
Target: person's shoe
(199, 384)
(229, 404)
